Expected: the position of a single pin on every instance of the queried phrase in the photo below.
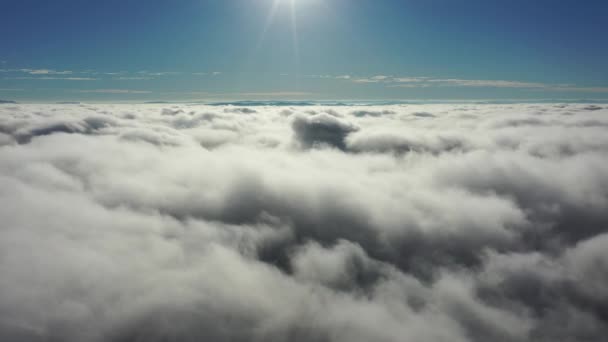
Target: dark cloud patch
(90, 125)
(520, 122)
(362, 113)
(343, 266)
(423, 115)
(171, 112)
(321, 129)
(192, 120)
(400, 144)
(243, 110)
(592, 107)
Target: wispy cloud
(46, 72)
(113, 91)
(38, 71)
(213, 73)
(373, 79)
(582, 89)
(114, 73)
(410, 85)
(410, 79)
(159, 73)
(270, 94)
(134, 78)
(423, 82)
(274, 94)
(320, 76)
(46, 78)
(426, 82)
(486, 83)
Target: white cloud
(45, 78)
(159, 73)
(434, 223)
(272, 94)
(373, 79)
(486, 83)
(320, 76)
(581, 89)
(46, 72)
(426, 82)
(114, 91)
(133, 78)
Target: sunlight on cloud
(447, 222)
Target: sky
(412, 170)
(191, 50)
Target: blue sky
(121, 50)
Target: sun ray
(294, 33)
(271, 14)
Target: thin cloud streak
(54, 78)
(426, 82)
(113, 91)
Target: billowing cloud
(447, 222)
(321, 129)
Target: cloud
(434, 223)
(319, 76)
(373, 79)
(133, 78)
(427, 82)
(486, 83)
(275, 94)
(159, 73)
(240, 110)
(361, 113)
(582, 89)
(113, 91)
(411, 79)
(321, 129)
(46, 72)
(45, 78)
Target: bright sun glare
(294, 23)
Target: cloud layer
(367, 223)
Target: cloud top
(445, 222)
